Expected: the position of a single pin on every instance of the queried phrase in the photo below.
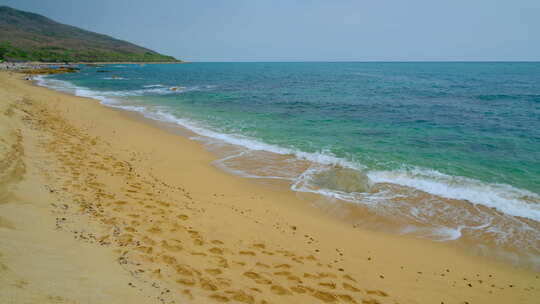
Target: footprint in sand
(213, 271)
(207, 284)
(186, 282)
(279, 290)
(377, 292)
(240, 296)
(220, 298)
(216, 250)
(350, 287)
(330, 285)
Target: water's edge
(504, 203)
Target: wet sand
(97, 206)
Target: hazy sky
(307, 30)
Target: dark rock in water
(102, 71)
(342, 179)
(48, 71)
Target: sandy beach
(99, 206)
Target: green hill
(26, 36)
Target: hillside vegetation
(26, 36)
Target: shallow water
(446, 151)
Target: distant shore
(37, 68)
(123, 62)
(18, 65)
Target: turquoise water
(468, 131)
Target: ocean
(444, 151)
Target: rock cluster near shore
(37, 68)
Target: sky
(311, 30)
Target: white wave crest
(504, 198)
(153, 86)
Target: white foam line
(440, 234)
(504, 198)
(221, 164)
(154, 86)
(251, 144)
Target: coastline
(237, 241)
(97, 62)
(491, 219)
(38, 65)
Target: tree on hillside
(4, 49)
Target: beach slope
(98, 206)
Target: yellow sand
(99, 207)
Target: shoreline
(92, 62)
(351, 212)
(70, 66)
(237, 236)
(340, 211)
